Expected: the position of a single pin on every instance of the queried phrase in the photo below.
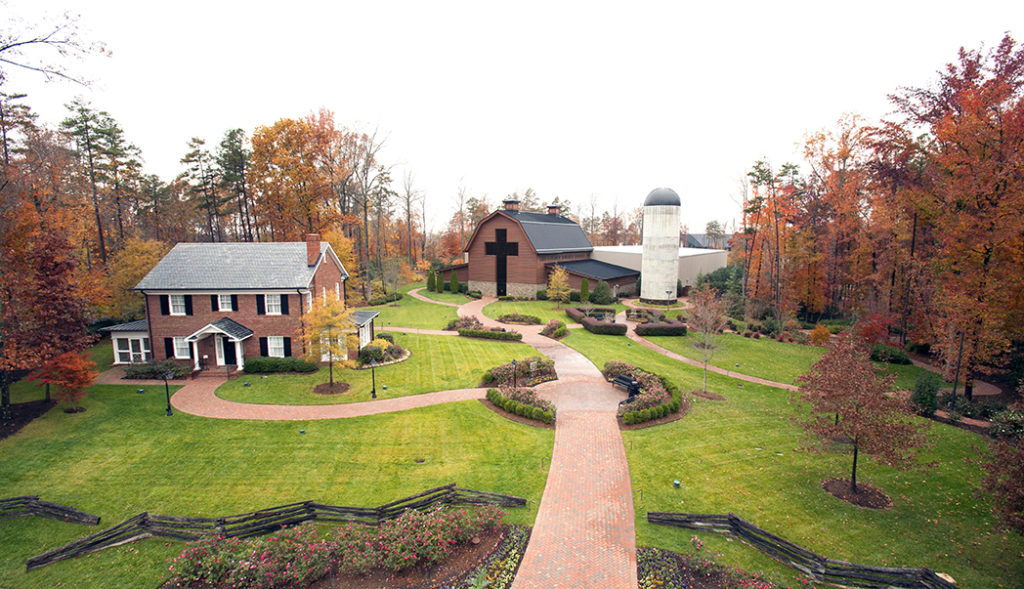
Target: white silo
(659, 267)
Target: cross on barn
(513, 252)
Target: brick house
(216, 304)
(513, 252)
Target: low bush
(889, 354)
(488, 334)
(264, 365)
(554, 329)
(659, 329)
(1008, 423)
(395, 296)
(506, 298)
(522, 402)
(474, 294)
(602, 294)
(542, 295)
(603, 327)
(464, 323)
(385, 336)
(527, 369)
(574, 296)
(156, 370)
(371, 353)
(658, 396)
(520, 319)
(926, 393)
(820, 335)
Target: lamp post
(373, 376)
(668, 300)
(515, 382)
(167, 390)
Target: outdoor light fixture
(514, 381)
(675, 484)
(140, 391)
(245, 384)
(167, 390)
(373, 375)
(302, 431)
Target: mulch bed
(514, 417)
(681, 570)
(866, 495)
(667, 419)
(463, 560)
(327, 388)
(708, 396)
(22, 414)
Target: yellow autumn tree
(127, 267)
(329, 331)
(345, 251)
(558, 285)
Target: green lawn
(745, 455)
(437, 363)
(412, 312)
(123, 456)
(767, 358)
(101, 353)
(445, 297)
(543, 310)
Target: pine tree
(584, 290)
(430, 280)
(454, 283)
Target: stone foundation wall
(518, 290)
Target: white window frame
(177, 304)
(323, 293)
(275, 346)
(178, 343)
(224, 303)
(337, 291)
(274, 309)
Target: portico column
(195, 352)
(239, 355)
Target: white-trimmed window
(224, 302)
(177, 304)
(273, 305)
(337, 291)
(181, 348)
(309, 301)
(323, 293)
(275, 346)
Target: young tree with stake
(707, 318)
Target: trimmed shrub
(574, 296)
(542, 295)
(926, 393)
(575, 314)
(390, 298)
(264, 365)
(658, 329)
(560, 332)
(584, 290)
(371, 353)
(889, 354)
(519, 318)
(552, 328)
(603, 327)
(820, 335)
(487, 334)
(385, 336)
(431, 280)
(454, 284)
(474, 294)
(602, 294)
(1008, 423)
(506, 298)
(155, 370)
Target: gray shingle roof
(596, 269)
(233, 266)
(232, 328)
(361, 318)
(552, 233)
(137, 325)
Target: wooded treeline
(917, 219)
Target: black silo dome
(662, 197)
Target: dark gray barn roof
(233, 266)
(552, 233)
(596, 269)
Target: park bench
(628, 384)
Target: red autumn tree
(70, 373)
(848, 400)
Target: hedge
(474, 294)
(155, 370)
(395, 296)
(520, 409)
(520, 318)
(603, 327)
(486, 334)
(264, 364)
(889, 354)
(666, 328)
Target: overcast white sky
(572, 99)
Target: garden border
(816, 566)
(263, 521)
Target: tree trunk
(853, 475)
(5, 398)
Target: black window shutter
(169, 347)
(188, 304)
(287, 347)
(165, 305)
(214, 303)
(284, 306)
(234, 302)
(261, 306)
(263, 342)
(190, 352)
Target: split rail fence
(264, 521)
(27, 505)
(811, 564)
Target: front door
(229, 352)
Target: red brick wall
(327, 275)
(524, 268)
(161, 326)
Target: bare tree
(21, 41)
(460, 202)
(707, 318)
(409, 200)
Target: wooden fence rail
(27, 505)
(264, 521)
(811, 564)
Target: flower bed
(658, 396)
(522, 402)
(534, 368)
(499, 569)
(382, 350)
(299, 556)
(597, 326)
(662, 568)
(554, 329)
(519, 319)
(471, 327)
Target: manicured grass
(437, 363)
(445, 297)
(414, 313)
(746, 455)
(123, 456)
(25, 390)
(769, 359)
(543, 310)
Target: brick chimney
(554, 209)
(511, 204)
(312, 248)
